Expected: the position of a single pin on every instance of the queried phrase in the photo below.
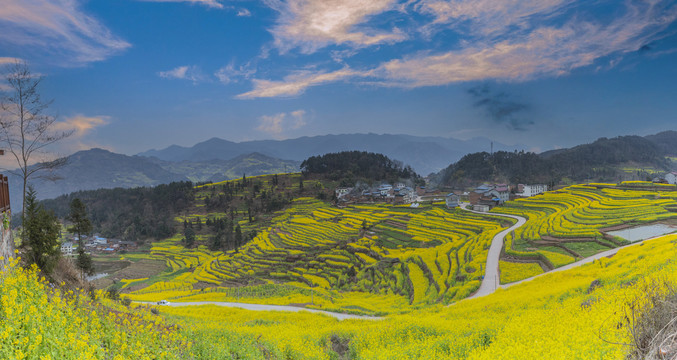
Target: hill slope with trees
(603, 160)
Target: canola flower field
(364, 259)
(574, 314)
(382, 259)
(38, 321)
(557, 316)
(568, 224)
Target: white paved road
(261, 307)
(491, 279)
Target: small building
(342, 191)
(671, 178)
(67, 248)
(481, 208)
(452, 200)
(531, 190)
(98, 240)
(503, 192)
(386, 190)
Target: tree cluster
(591, 162)
(351, 166)
(131, 214)
(40, 234)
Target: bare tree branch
(25, 129)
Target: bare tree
(24, 127)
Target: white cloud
(296, 83)
(209, 3)
(489, 16)
(299, 120)
(59, 28)
(81, 125)
(192, 73)
(279, 124)
(545, 51)
(532, 50)
(313, 24)
(243, 12)
(229, 73)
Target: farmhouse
(67, 248)
(671, 178)
(340, 192)
(452, 200)
(531, 190)
(489, 195)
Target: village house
(489, 195)
(531, 190)
(475, 195)
(67, 248)
(386, 190)
(503, 192)
(671, 178)
(340, 192)
(452, 200)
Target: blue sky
(133, 75)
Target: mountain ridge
(426, 154)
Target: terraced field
(571, 223)
(365, 259)
(379, 259)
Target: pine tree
(189, 237)
(81, 226)
(84, 262)
(238, 236)
(78, 216)
(40, 234)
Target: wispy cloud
(209, 3)
(4, 67)
(507, 45)
(486, 17)
(545, 51)
(9, 60)
(81, 124)
(242, 12)
(192, 73)
(82, 127)
(296, 83)
(313, 24)
(230, 73)
(58, 28)
(277, 125)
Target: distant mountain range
(424, 154)
(218, 159)
(97, 168)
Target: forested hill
(603, 160)
(348, 167)
(131, 214)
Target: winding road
(491, 280)
(261, 307)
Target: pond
(644, 232)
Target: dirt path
(261, 307)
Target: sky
(132, 75)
